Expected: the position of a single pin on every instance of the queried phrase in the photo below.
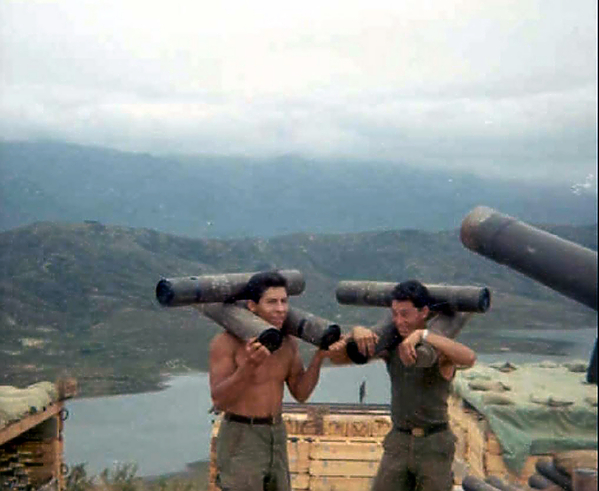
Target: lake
(163, 431)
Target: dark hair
(261, 282)
(412, 290)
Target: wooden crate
(367, 449)
(326, 483)
(298, 451)
(300, 481)
(343, 468)
(345, 446)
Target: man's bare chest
(274, 369)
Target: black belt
(250, 420)
(424, 431)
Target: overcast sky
(501, 87)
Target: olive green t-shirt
(418, 395)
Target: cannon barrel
(311, 328)
(238, 320)
(473, 483)
(176, 292)
(443, 297)
(242, 323)
(537, 481)
(564, 266)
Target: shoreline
(508, 343)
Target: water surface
(163, 431)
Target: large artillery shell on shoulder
(443, 297)
(188, 290)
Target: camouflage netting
(17, 403)
(533, 409)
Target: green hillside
(79, 299)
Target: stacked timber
(31, 443)
(331, 447)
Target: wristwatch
(424, 335)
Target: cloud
(503, 87)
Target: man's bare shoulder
(225, 342)
(289, 349)
(290, 343)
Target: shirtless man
(247, 383)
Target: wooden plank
(493, 445)
(59, 449)
(347, 439)
(15, 429)
(343, 468)
(337, 408)
(495, 466)
(347, 425)
(346, 450)
(381, 425)
(294, 423)
(320, 483)
(298, 452)
(300, 481)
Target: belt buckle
(417, 431)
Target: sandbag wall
(330, 447)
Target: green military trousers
(416, 463)
(252, 457)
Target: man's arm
(337, 352)
(451, 352)
(366, 341)
(228, 381)
(301, 382)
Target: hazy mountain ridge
(82, 295)
(206, 196)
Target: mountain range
(234, 197)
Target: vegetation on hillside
(78, 299)
(124, 478)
